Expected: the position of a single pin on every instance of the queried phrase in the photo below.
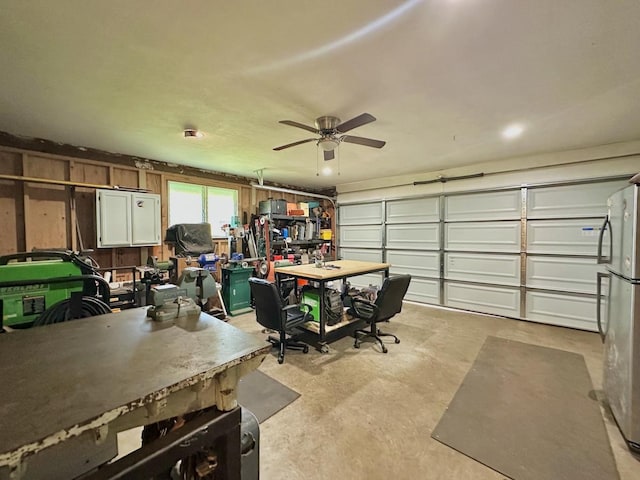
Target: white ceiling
(443, 78)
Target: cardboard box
(304, 206)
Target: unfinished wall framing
(42, 216)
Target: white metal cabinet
(113, 218)
(125, 219)
(145, 219)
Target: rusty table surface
(61, 380)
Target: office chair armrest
(297, 305)
(363, 308)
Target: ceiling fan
(331, 133)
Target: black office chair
(387, 304)
(272, 314)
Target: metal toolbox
(273, 206)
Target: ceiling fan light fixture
(328, 144)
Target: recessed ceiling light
(192, 133)
(512, 131)
(326, 171)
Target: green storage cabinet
(236, 293)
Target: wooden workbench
(329, 271)
(74, 385)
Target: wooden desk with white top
(322, 275)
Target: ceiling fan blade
(368, 142)
(282, 147)
(299, 125)
(356, 122)
(328, 155)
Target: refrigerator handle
(599, 303)
(600, 258)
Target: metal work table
(322, 275)
(68, 388)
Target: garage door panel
(498, 269)
(483, 236)
(361, 255)
(361, 236)
(360, 214)
(414, 210)
(502, 205)
(424, 290)
(422, 264)
(563, 273)
(483, 298)
(362, 281)
(416, 236)
(588, 200)
(564, 310)
(566, 237)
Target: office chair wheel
(305, 349)
(384, 349)
(397, 340)
(280, 359)
(356, 344)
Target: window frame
(204, 199)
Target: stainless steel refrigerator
(619, 324)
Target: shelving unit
(280, 221)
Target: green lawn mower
(42, 287)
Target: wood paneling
(86, 200)
(41, 215)
(11, 205)
(124, 178)
(46, 206)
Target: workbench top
(62, 379)
(346, 268)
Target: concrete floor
(366, 415)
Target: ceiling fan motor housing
(327, 124)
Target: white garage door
(482, 252)
(413, 236)
(525, 252)
(360, 230)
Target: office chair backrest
(267, 302)
(389, 299)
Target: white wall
(597, 162)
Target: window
(190, 203)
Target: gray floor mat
(263, 395)
(525, 411)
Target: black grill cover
(190, 238)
